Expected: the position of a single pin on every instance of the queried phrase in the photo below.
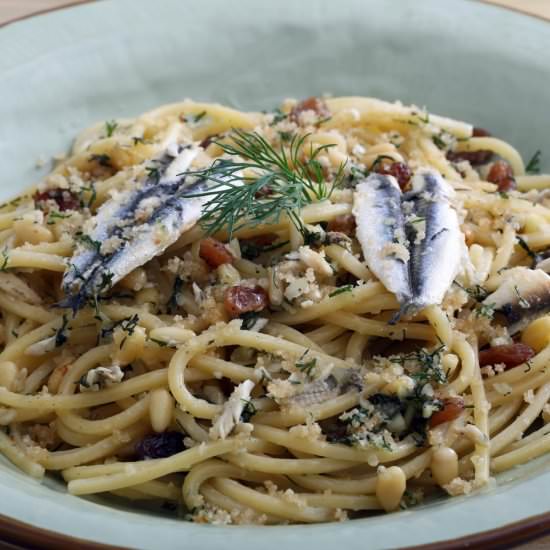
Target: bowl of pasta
(309, 304)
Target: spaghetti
(192, 311)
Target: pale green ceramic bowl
(63, 71)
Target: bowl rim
(25, 535)
(20, 534)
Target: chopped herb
(429, 364)
(14, 202)
(278, 116)
(52, 216)
(102, 159)
(61, 333)
(5, 260)
(409, 500)
(110, 127)
(533, 166)
(419, 219)
(422, 117)
(14, 333)
(249, 319)
(307, 367)
(137, 140)
(129, 324)
(88, 241)
(354, 177)
(323, 120)
(439, 143)
(292, 183)
(477, 292)
(485, 310)
(163, 343)
(341, 290)
(522, 301)
(503, 195)
(160, 343)
(153, 172)
(194, 118)
(93, 195)
(249, 410)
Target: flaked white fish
(232, 410)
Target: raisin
(208, 140)
(475, 158)
(511, 355)
(310, 104)
(480, 132)
(160, 445)
(242, 299)
(501, 174)
(65, 199)
(214, 253)
(399, 170)
(452, 409)
(343, 224)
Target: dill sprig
(110, 127)
(262, 183)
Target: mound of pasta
(334, 308)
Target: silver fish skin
(435, 240)
(338, 382)
(522, 296)
(143, 232)
(103, 225)
(381, 232)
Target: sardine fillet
(411, 242)
(381, 232)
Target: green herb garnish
(341, 290)
(522, 301)
(52, 216)
(249, 410)
(533, 166)
(429, 365)
(278, 116)
(477, 292)
(110, 127)
(88, 241)
(485, 310)
(438, 142)
(307, 367)
(5, 260)
(195, 118)
(153, 172)
(284, 183)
